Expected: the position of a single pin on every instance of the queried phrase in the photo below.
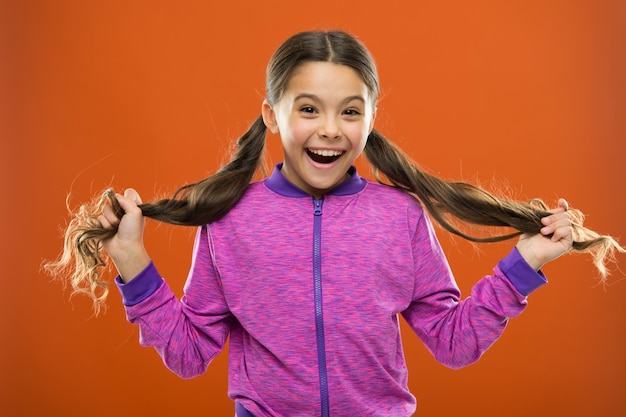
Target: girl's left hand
(539, 248)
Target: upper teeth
(325, 152)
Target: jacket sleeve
(457, 332)
(188, 333)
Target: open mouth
(324, 156)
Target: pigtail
(210, 199)
(474, 205)
(82, 261)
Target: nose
(329, 128)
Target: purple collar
(281, 185)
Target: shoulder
(259, 201)
(392, 198)
(255, 192)
(389, 205)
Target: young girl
(307, 270)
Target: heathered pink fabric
(251, 278)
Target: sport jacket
(310, 292)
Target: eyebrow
(316, 98)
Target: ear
(269, 117)
(371, 127)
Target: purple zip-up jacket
(309, 292)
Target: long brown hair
(82, 260)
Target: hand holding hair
(126, 247)
(553, 240)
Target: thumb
(561, 207)
(133, 195)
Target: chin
(324, 187)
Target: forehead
(326, 80)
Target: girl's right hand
(126, 247)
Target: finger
(104, 222)
(129, 201)
(109, 216)
(563, 232)
(551, 223)
(560, 228)
(553, 218)
(562, 207)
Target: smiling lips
(324, 156)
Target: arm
(458, 332)
(187, 334)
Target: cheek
(358, 134)
(297, 132)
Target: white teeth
(325, 152)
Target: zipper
(319, 312)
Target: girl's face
(323, 117)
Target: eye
(351, 112)
(308, 109)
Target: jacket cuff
(520, 274)
(141, 287)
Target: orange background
(524, 95)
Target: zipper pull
(317, 206)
